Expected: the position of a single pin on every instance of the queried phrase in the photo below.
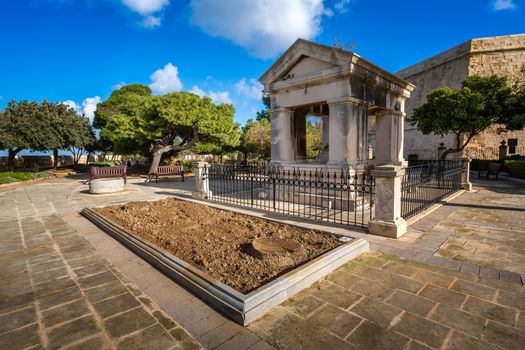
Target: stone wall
(43, 162)
(503, 56)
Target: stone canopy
(343, 89)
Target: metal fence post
(251, 188)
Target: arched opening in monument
(314, 138)
(311, 131)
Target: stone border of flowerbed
(241, 308)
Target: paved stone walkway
(383, 302)
(57, 292)
(488, 227)
(396, 301)
(480, 232)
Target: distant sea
(3, 153)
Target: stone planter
(241, 308)
(101, 186)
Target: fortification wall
(502, 56)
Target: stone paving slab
(57, 292)
(380, 302)
(447, 311)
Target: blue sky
(79, 50)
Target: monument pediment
(306, 62)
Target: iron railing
(335, 195)
(428, 183)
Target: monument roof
(331, 61)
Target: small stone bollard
(465, 175)
(202, 185)
(387, 220)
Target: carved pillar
(348, 132)
(503, 150)
(282, 135)
(389, 137)
(387, 220)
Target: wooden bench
(492, 169)
(108, 172)
(166, 170)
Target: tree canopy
(481, 102)
(256, 138)
(42, 127)
(135, 121)
(314, 139)
(265, 113)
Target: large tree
(265, 113)
(71, 131)
(137, 122)
(481, 102)
(256, 138)
(42, 127)
(24, 126)
(314, 138)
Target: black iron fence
(334, 195)
(427, 183)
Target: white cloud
(250, 89)
(87, 107)
(166, 80)
(151, 21)
(148, 9)
(216, 96)
(342, 6)
(118, 86)
(72, 104)
(263, 27)
(499, 5)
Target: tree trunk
(11, 158)
(162, 146)
(449, 151)
(158, 151)
(55, 158)
(87, 158)
(459, 146)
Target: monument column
(389, 137)
(282, 135)
(348, 132)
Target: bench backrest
(494, 168)
(169, 169)
(108, 171)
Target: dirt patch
(217, 241)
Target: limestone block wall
(503, 56)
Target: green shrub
(515, 168)
(187, 165)
(15, 176)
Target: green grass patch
(17, 176)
